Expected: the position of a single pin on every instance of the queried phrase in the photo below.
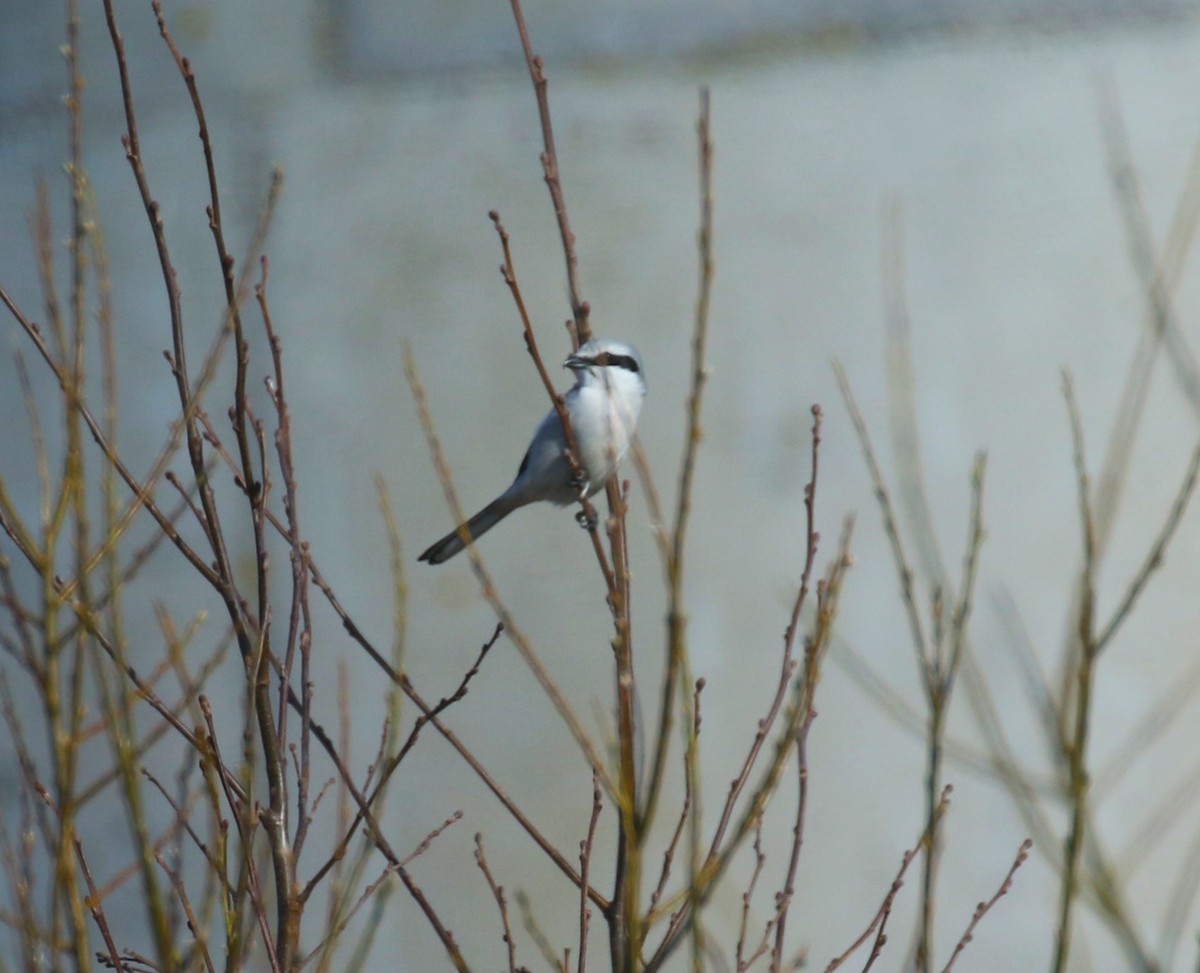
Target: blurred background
(977, 125)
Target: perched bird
(603, 407)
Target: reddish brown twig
(674, 548)
(585, 861)
(501, 902)
(244, 821)
(590, 520)
(688, 798)
(723, 845)
(428, 840)
(199, 936)
(984, 907)
(141, 490)
(488, 587)
(367, 894)
(95, 908)
(885, 910)
(410, 691)
(743, 962)
(550, 168)
(788, 663)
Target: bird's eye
(624, 361)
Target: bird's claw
(577, 480)
(585, 520)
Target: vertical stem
(691, 770)
(1077, 776)
(1078, 781)
(625, 921)
(676, 648)
(937, 717)
(1079, 787)
(65, 677)
(579, 307)
(287, 905)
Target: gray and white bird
(603, 407)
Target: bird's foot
(585, 520)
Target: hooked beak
(575, 363)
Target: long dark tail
(477, 526)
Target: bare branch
(984, 907)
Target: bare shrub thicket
(233, 881)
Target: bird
(603, 406)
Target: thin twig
(747, 897)
(984, 907)
(688, 798)
(550, 168)
(515, 634)
(393, 762)
(1154, 558)
(501, 902)
(1084, 678)
(685, 905)
(199, 937)
(585, 862)
(890, 523)
(367, 893)
(409, 690)
(429, 839)
(885, 909)
(693, 433)
(536, 933)
(589, 518)
(97, 910)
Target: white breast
(604, 415)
